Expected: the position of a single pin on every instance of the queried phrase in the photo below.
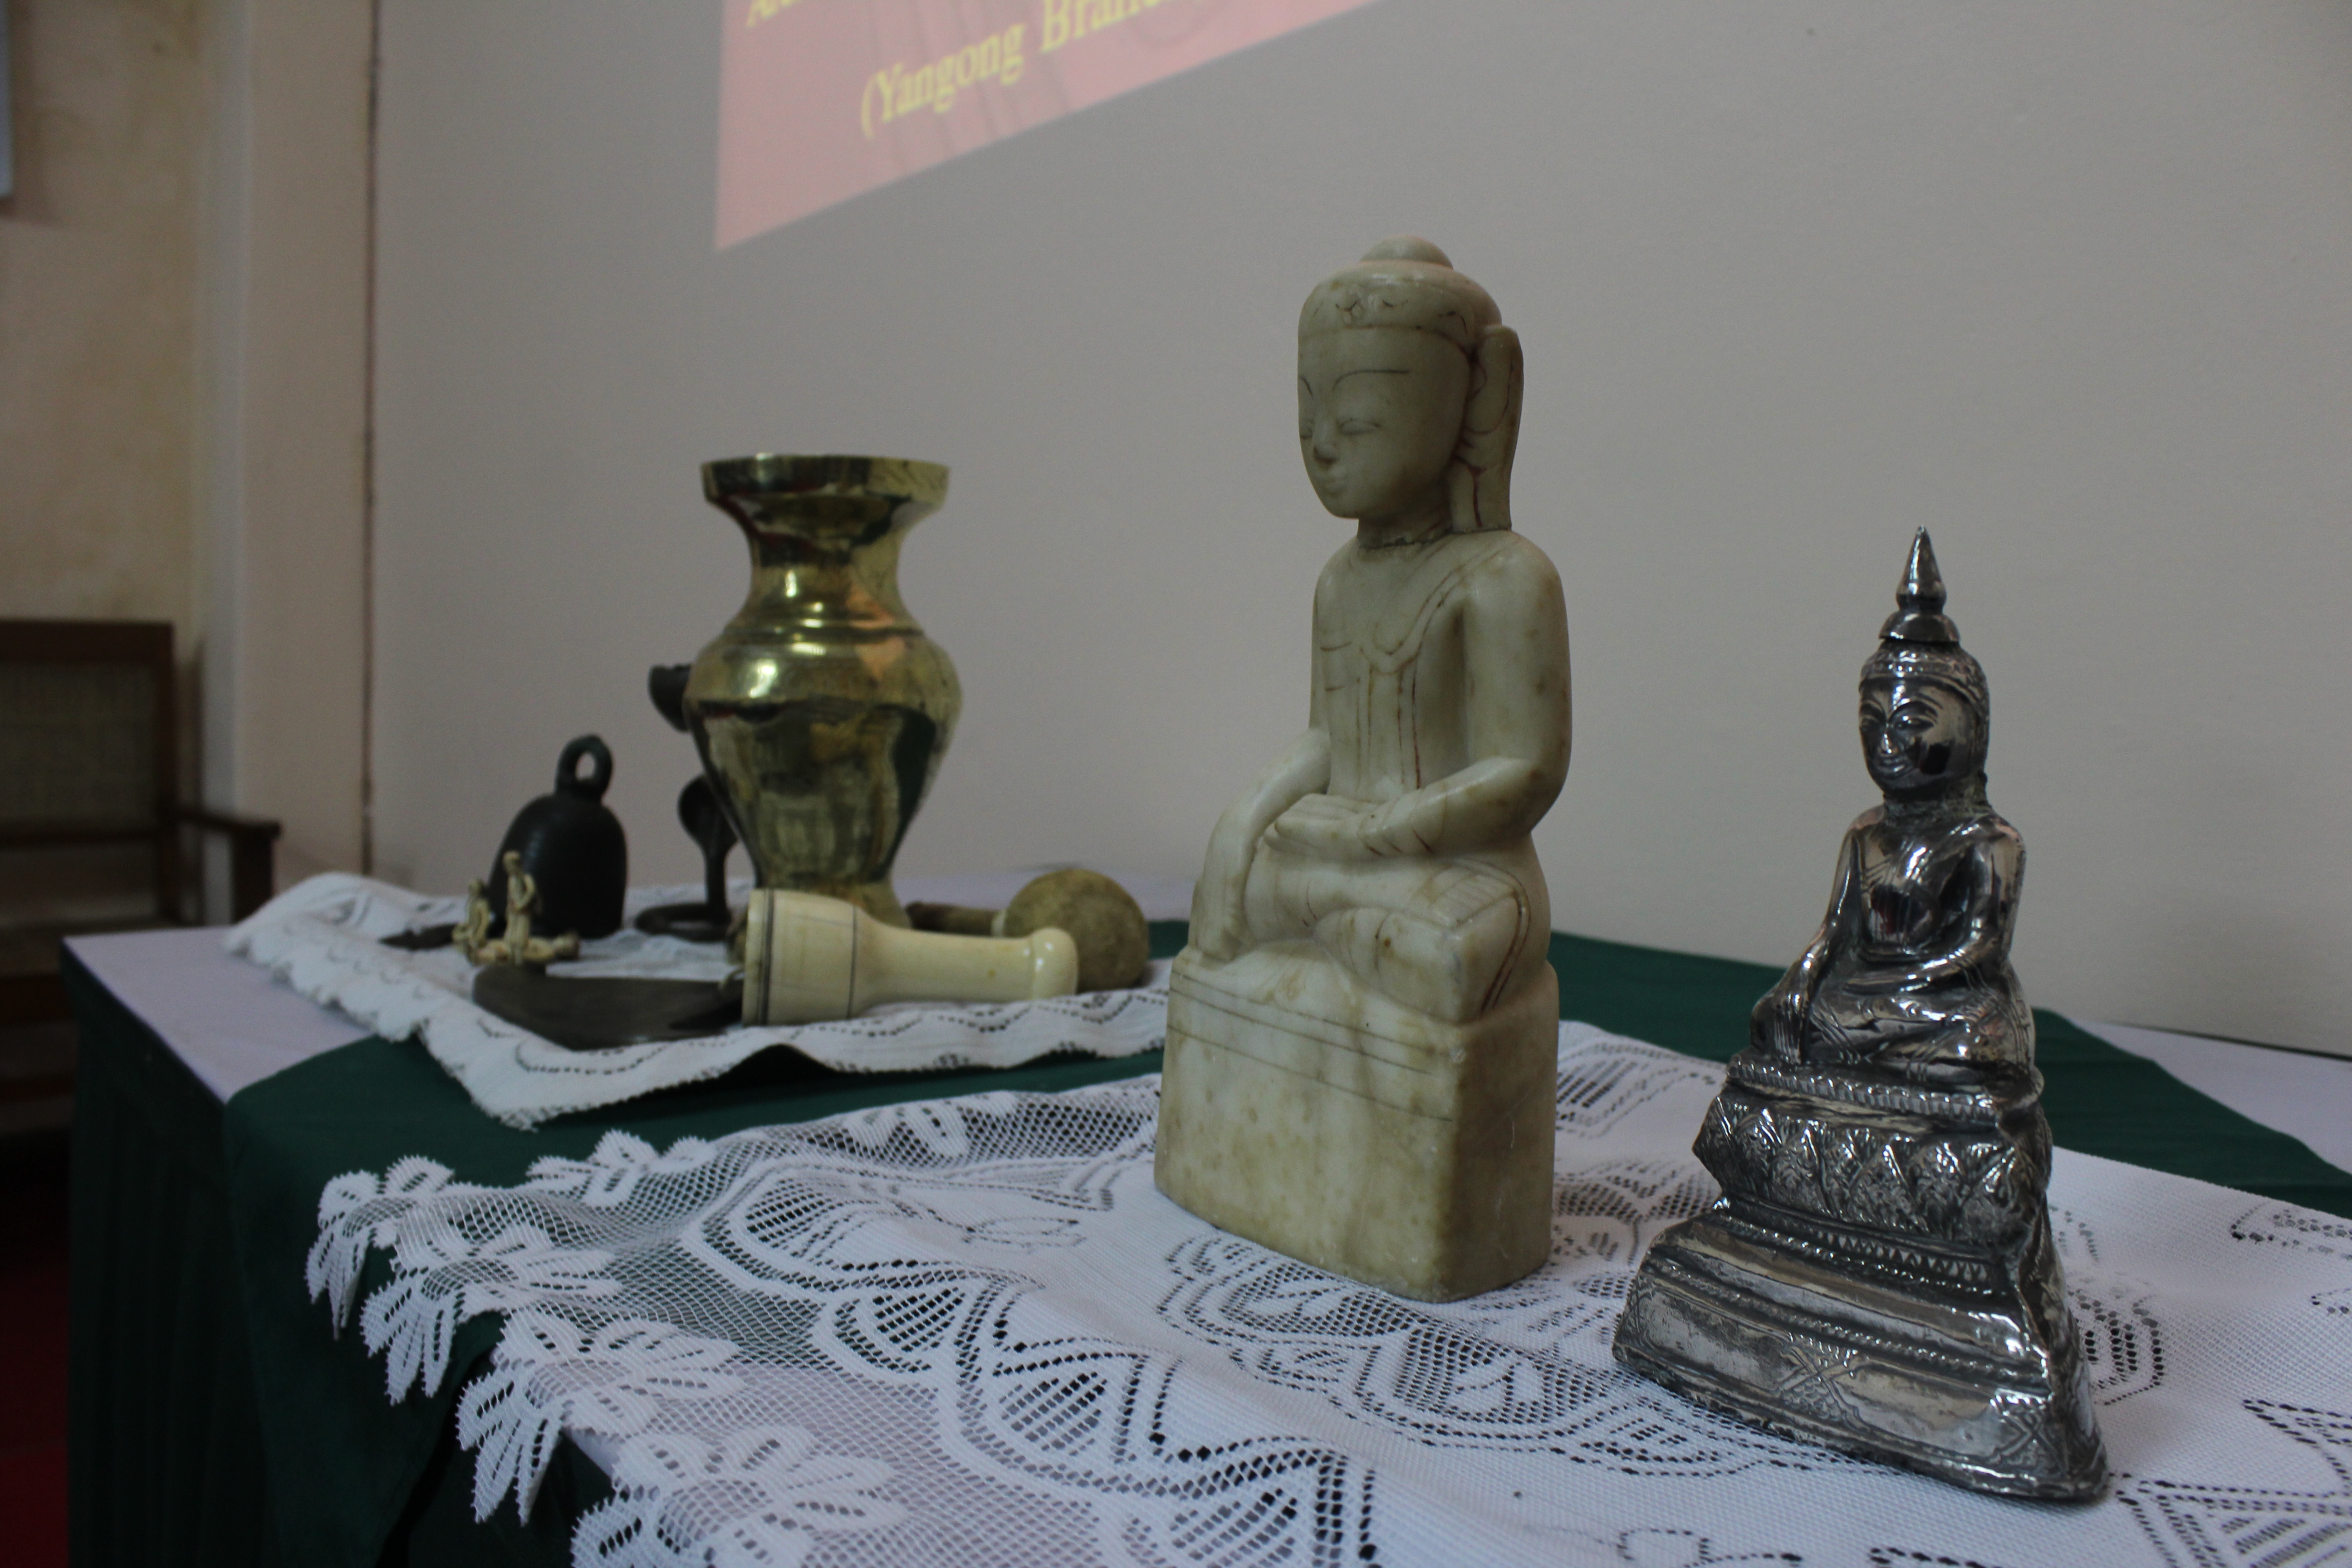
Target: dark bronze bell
(573, 844)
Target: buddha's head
(1408, 391)
(1926, 713)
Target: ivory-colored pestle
(808, 958)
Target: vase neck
(842, 581)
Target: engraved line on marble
(1410, 1054)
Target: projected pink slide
(821, 99)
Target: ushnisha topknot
(1403, 282)
(1919, 642)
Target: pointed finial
(1920, 616)
(1923, 586)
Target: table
(216, 1104)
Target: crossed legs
(1449, 938)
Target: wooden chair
(90, 759)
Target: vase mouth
(895, 480)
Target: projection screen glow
(821, 99)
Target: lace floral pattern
(360, 1211)
(443, 1277)
(549, 1375)
(760, 1495)
(972, 1331)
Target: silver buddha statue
(1878, 1276)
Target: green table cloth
(216, 1419)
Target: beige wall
(98, 308)
(184, 276)
(285, 398)
(2063, 283)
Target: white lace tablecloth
(325, 938)
(971, 1331)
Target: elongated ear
(1479, 497)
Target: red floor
(33, 1355)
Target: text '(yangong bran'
(895, 91)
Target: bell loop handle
(568, 779)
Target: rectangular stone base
(1973, 1387)
(1328, 1123)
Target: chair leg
(171, 901)
(253, 872)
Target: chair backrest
(88, 751)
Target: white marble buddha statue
(1361, 1042)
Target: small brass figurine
(1362, 1036)
(517, 946)
(1878, 1276)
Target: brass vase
(822, 711)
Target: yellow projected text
(895, 91)
(1066, 20)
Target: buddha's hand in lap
(1325, 826)
(1777, 1025)
(1219, 930)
